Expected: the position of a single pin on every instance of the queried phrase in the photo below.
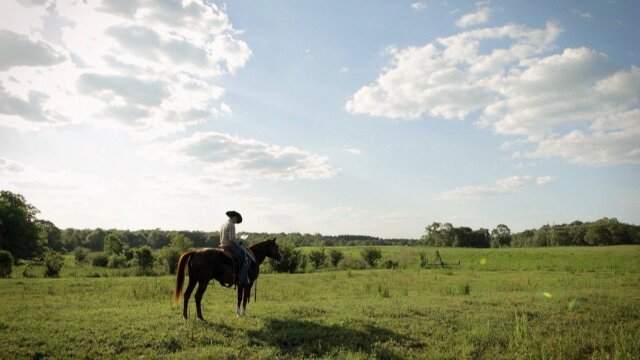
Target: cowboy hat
(233, 213)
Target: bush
(351, 263)
(117, 261)
(291, 258)
(144, 258)
(99, 259)
(80, 254)
(6, 263)
(171, 255)
(390, 264)
(53, 262)
(335, 256)
(129, 253)
(317, 258)
(371, 255)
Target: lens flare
(547, 294)
(483, 261)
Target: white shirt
(228, 233)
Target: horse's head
(272, 249)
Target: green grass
(531, 308)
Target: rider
(228, 239)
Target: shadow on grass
(311, 339)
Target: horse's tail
(182, 264)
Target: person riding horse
(228, 241)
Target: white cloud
(501, 187)
(583, 14)
(237, 157)
(575, 104)
(481, 16)
(353, 151)
(154, 70)
(418, 6)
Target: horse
(211, 263)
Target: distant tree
(181, 243)
(50, 235)
(6, 263)
(171, 255)
(317, 258)
(501, 236)
(117, 261)
(19, 232)
(113, 244)
(335, 256)
(95, 239)
(598, 234)
(144, 258)
(371, 255)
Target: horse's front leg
(202, 287)
(245, 299)
(240, 290)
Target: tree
(598, 234)
(171, 256)
(19, 233)
(501, 236)
(6, 263)
(335, 256)
(113, 244)
(144, 258)
(181, 243)
(50, 235)
(371, 255)
(317, 258)
(95, 239)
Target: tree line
(25, 236)
(605, 231)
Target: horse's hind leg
(202, 287)
(240, 289)
(187, 295)
(245, 299)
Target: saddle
(236, 262)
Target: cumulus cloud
(418, 6)
(353, 151)
(148, 64)
(237, 157)
(501, 187)
(19, 50)
(576, 103)
(481, 16)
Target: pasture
(541, 303)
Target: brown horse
(207, 264)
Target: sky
(336, 117)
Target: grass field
(554, 303)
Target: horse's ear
(273, 239)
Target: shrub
(423, 259)
(6, 263)
(291, 258)
(128, 253)
(171, 255)
(117, 261)
(317, 258)
(371, 255)
(99, 259)
(80, 254)
(390, 264)
(351, 263)
(53, 262)
(144, 258)
(335, 256)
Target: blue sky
(334, 117)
